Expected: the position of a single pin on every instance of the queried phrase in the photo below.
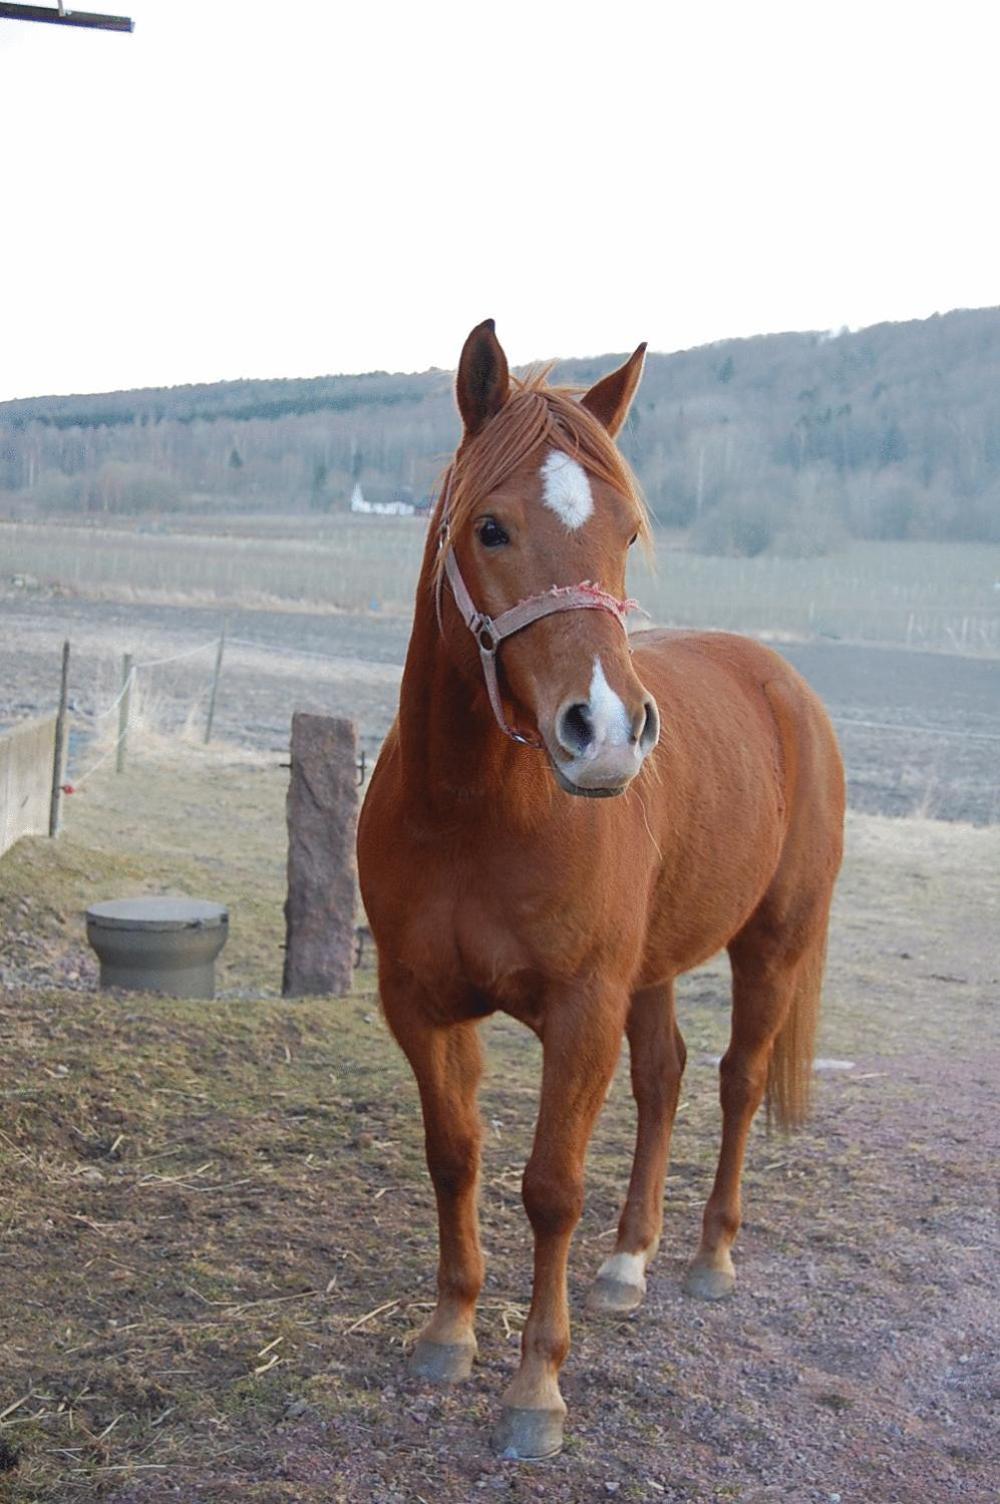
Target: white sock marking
(626, 1268)
(566, 489)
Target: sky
(241, 189)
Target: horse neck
(454, 756)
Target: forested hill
(787, 441)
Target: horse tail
(789, 1072)
(814, 789)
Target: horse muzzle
(600, 743)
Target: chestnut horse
(487, 886)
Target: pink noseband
(490, 631)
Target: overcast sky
(249, 189)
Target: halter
(490, 631)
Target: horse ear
(611, 398)
(483, 383)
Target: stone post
(322, 813)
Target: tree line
(787, 442)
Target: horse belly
(751, 754)
(688, 925)
(723, 847)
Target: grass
(934, 595)
(217, 1227)
(939, 596)
(344, 563)
(204, 1191)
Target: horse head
(535, 524)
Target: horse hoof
(709, 1282)
(613, 1297)
(528, 1435)
(442, 1362)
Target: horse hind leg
(657, 1064)
(776, 995)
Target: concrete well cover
(157, 914)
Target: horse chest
(498, 928)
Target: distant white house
(379, 508)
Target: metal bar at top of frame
(65, 17)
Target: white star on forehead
(566, 489)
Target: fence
(27, 756)
(101, 736)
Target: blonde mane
(536, 414)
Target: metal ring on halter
(486, 635)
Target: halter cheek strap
(490, 632)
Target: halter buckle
(486, 634)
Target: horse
(560, 830)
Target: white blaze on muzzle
(608, 715)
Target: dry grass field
(930, 595)
(217, 1235)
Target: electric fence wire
(298, 652)
(127, 684)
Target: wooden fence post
(59, 752)
(215, 686)
(124, 711)
(322, 811)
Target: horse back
(733, 700)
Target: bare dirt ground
(920, 731)
(217, 1235)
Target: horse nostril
(646, 726)
(576, 729)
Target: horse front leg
(447, 1062)
(581, 1038)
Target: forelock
(536, 419)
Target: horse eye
(633, 539)
(491, 534)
